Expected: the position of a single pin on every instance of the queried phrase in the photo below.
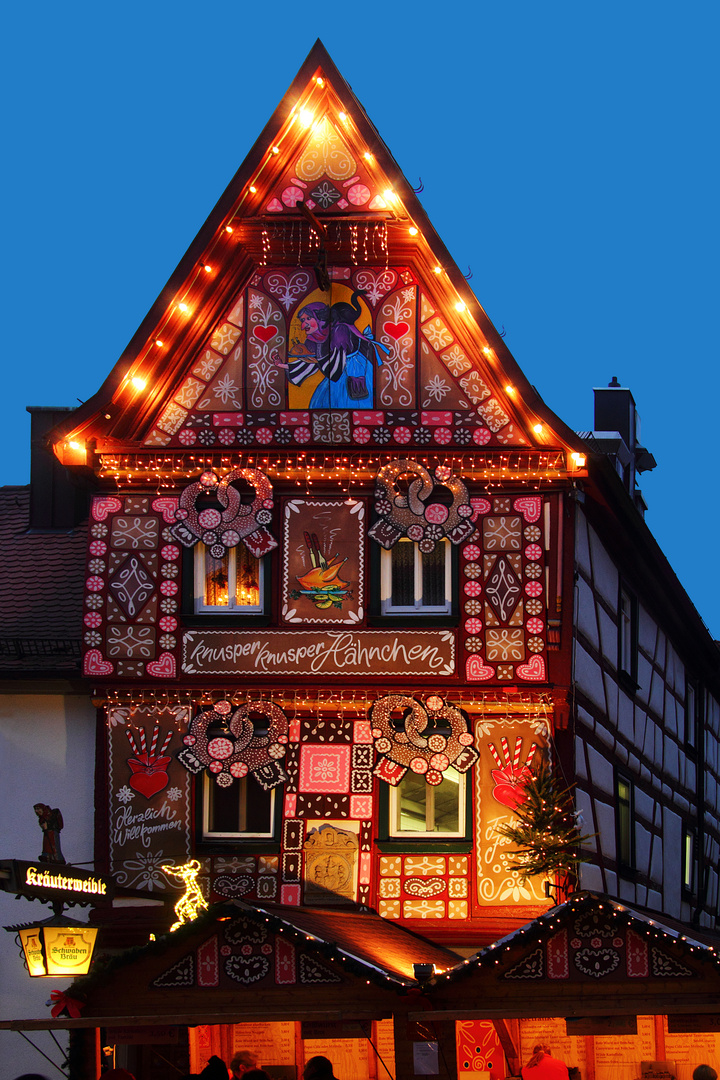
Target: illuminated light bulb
(538, 429)
(184, 308)
(228, 228)
(320, 81)
(437, 269)
(460, 306)
(389, 194)
(159, 343)
(413, 231)
(138, 382)
(509, 389)
(306, 117)
(207, 268)
(253, 189)
(276, 149)
(578, 460)
(343, 116)
(368, 156)
(75, 445)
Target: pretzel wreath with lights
(236, 749)
(409, 514)
(222, 529)
(429, 754)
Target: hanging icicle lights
(308, 702)
(347, 470)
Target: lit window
(421, 809)
(414, 582)
(625, 822)
(233, 583)
(244, 809)
(688, 860)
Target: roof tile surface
(41, 591)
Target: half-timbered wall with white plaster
(634, 732)
(47, 754)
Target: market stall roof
(589, 956)
(240, 962)
(386, 946)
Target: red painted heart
(477, 671)
(534, 671)
(148, 779)
(95, 665)
(510, 786)
(396, 330)
(264, 333)
(163, 668)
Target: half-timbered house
(348, 581)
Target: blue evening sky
(569, 152)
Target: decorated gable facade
(328, 605)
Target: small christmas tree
(546, 834)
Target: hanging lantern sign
(54, 882)
(56, 947)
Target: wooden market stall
(613, 992)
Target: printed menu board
(274, 1044)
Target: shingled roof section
(41, 592)
(365, 936)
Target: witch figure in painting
(334, 346)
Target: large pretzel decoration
(235, 521)
(411, 515)
(410, 748)
(237, 750)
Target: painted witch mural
(335, 347)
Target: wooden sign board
(601, 1025)
(343, 1029)
(144, 1036)
(319, 653)
(690, 1022)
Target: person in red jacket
(543, 1066)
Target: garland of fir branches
(546, 834)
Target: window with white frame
(243, 810)
(420, 809)
(414, 582)
(233, 584)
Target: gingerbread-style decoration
(330, 862)
(409, 513)
(433, 737)
(224, 528)
(235, 746)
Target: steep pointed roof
(320, 181)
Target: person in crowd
(543, 1066)
(243, 1061)
(216, 1069)
(318, 1068)
(704, 1072)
